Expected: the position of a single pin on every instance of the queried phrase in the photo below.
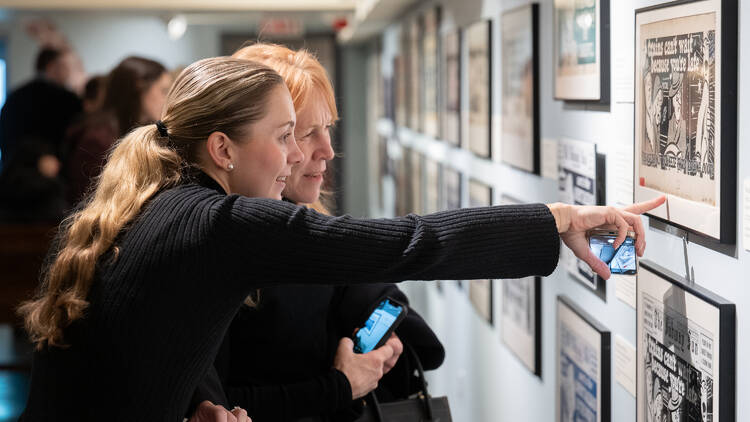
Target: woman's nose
(324, 150)
(295, 155)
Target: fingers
(240, 414)
(641, 207)
(640, 232)
(346, 344)
(395, 344)
(622, 229)
(596, 264)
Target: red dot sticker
(642, 181)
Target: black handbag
(421, 407)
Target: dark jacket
(160, 309)
(276, 360)
(40, 110)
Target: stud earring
(230, 166)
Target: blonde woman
(185, 223)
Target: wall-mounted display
(581, 50)
(416, 176)
(431, 23)
(415, 74)
(480, 291)
(581, 182)
(402, 177)
(451, 192)
(450, 96)
(521, 320)
(583, 357)
(686, 354)
(519, 143)
(479, 45)
(686, 114)
(432, 186)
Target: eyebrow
(289, 123)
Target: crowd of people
(53, 142)
(190, 277)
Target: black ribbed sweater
(159, 311)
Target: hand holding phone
(621, 260)
(378, 327)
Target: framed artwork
(451, 189)
(415, 74)
(686, 114)
(686, 358)
(399, 80)
(479, 44)
(521, 320)
(519, 143)
(401, 167)
(581, 182)
(480, 291)
(583, 377)
(416, 176)
(450, 87)
(431, 23)
(581, 50)
(432, 186)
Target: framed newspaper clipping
(521, 320)
(480, 291)
(583, 377)
(479, 43)
(686, 358)
(430, 24)
(450, 87)
(519, 141)
(581, 49)
(686, 114)
(581, 173)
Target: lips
(282, 179)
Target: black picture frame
(603, 80)
(478, 142)
(727, 331)
(604, 344)
(727, 204)
(509, 335)
(517, 133)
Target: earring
(230, 166)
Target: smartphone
(387, 315)
(621, 260)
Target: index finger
(384, 352)
(641, 207)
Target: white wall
(483, 380)
(103, 39)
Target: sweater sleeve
(475, 243)
(324, 394)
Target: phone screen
(376, 326)
(620, 261)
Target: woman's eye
(286, 136)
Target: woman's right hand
(362, 370)
(209, 412)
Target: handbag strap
(424, 395)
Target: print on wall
(686, 108)
(583, 366)
(519, 143)
(582, 50)
(686, 350)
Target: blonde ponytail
(138, 167)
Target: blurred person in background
(32, 126)
(93, 93)
(134, 94)
(41, 110)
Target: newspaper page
(677, 354)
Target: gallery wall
(482, 378)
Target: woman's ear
(220, 150)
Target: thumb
(596, 264)
(346, 344)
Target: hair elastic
(162, 129)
